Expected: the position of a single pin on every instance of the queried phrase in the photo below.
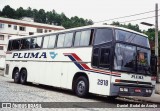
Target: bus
(99, 59)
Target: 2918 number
(102, 82)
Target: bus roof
(79, 28)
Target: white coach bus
(103, 60)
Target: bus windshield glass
(129, 55)
(131, 37)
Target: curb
(140, 99)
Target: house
(25, 26)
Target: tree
(42, 16)
(20, 12)
(29, 12)
(8, 12)
(129, 26)
(49, 17)
(35, 15)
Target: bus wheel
(16, 76)
(81, 86)
(23, 78)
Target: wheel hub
(81, 87)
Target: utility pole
(156, 38)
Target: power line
(138, 19)
(126, 16)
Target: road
(12, 92)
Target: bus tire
(81, 86)
(16, 76)
(112, 98)
(23, 77)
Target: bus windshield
(131, 37)
(129, 55)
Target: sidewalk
(154, 98)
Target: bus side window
(25, 43)
(9, 45)
(104, 57)
(103, 36)
(68, 40)
(16, 44)
(52, 41)
(60, 42)
(33, 43)
(45, 41)
(95, 59)
(39, 42)
(77, 39)
(83, 38)
(36, 42)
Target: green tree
(50, 17)
(129, 26)
(41, 16)
(29, 12)
(20, 12)
(35, 15)
(8, 12)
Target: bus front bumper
(131, 90)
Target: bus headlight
(148, 91)
(121, 89)
(125, 89)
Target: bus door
(101, 57)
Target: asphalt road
(57, 98)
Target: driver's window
(104, 58)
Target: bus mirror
(153, 65)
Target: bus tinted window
(103, 36)
(52, 40)
(25, 43)
(45, 41)
(15, 44)
(60, 41)
(131, 37)
(82, 38)
(36, 42)
(68, 40)
(9, 45)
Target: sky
(96, 10)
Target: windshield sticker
(141, 58)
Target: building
(26, 26)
